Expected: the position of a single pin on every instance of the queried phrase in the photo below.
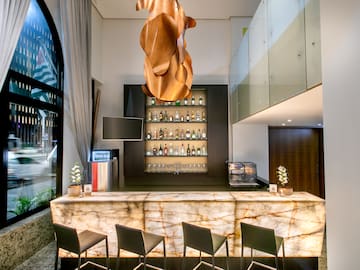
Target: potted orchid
(283, 179)
(74, 189)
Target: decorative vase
(285, 191)
(74, 191)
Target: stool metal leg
(56, 258)
(164, 254)
(227, 254)
(118, 260)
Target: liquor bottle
(161, 116)
(149, 116)
(148, 135)
(171, 134)
(155, 134)
(166, 133)
(165, 150)
(192, 100)
(161, 134)
(198, 151)
(203, 116)
(203, 134)
(200, 100)
(185, 101)
(154, 150)
(166, 116)
(177, 116)
(198, 117)
(203, 150)
(182, 150)
(171, 149)
(188, 153)
(153, 101)
(160, 151)
(187, 116)
(198, 134)
(193, 135)
(193, 150)
(188, 135)
(192, 116)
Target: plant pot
(74, 191)
(285, 191)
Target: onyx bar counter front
(299, 218)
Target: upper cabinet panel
(313, 42)
(258, 61)
(287, 72)
(279, 59)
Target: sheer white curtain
(12, 17)
(76, 29)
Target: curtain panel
(12, 17)
(76, 29)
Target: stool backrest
(197, 237)
(66, 238)
(130, 239)
(259, 238)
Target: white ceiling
(198, 9)
(302, 110)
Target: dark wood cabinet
(217, 143)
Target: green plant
(44, 197)
(23, 205)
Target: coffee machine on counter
(242, 173)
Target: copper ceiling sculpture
(168, 68)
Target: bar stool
(204, 240)
(262, 239)
(139, 242)
(67, 238)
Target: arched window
(31, 117)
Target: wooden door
(300, 150)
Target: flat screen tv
(123, 128)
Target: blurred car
(27, 166)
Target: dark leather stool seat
(262, 239)
(204, 240)
(69, 239)
(139, 242)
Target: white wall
(251, 143)
(340, 39)
(209, 45)
(96, 45)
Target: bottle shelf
(176, 140)
(177, 156)
(181, 122)
(176, 122)
(176, 106)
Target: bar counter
(299, 218)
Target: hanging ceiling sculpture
(168, 68)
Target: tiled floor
(42, 260)
(45, 259)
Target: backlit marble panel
(299, 218)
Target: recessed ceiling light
(283, 124)
(289, 120)
(320, 124)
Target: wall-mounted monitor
(123, 128)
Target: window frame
(7, 97)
